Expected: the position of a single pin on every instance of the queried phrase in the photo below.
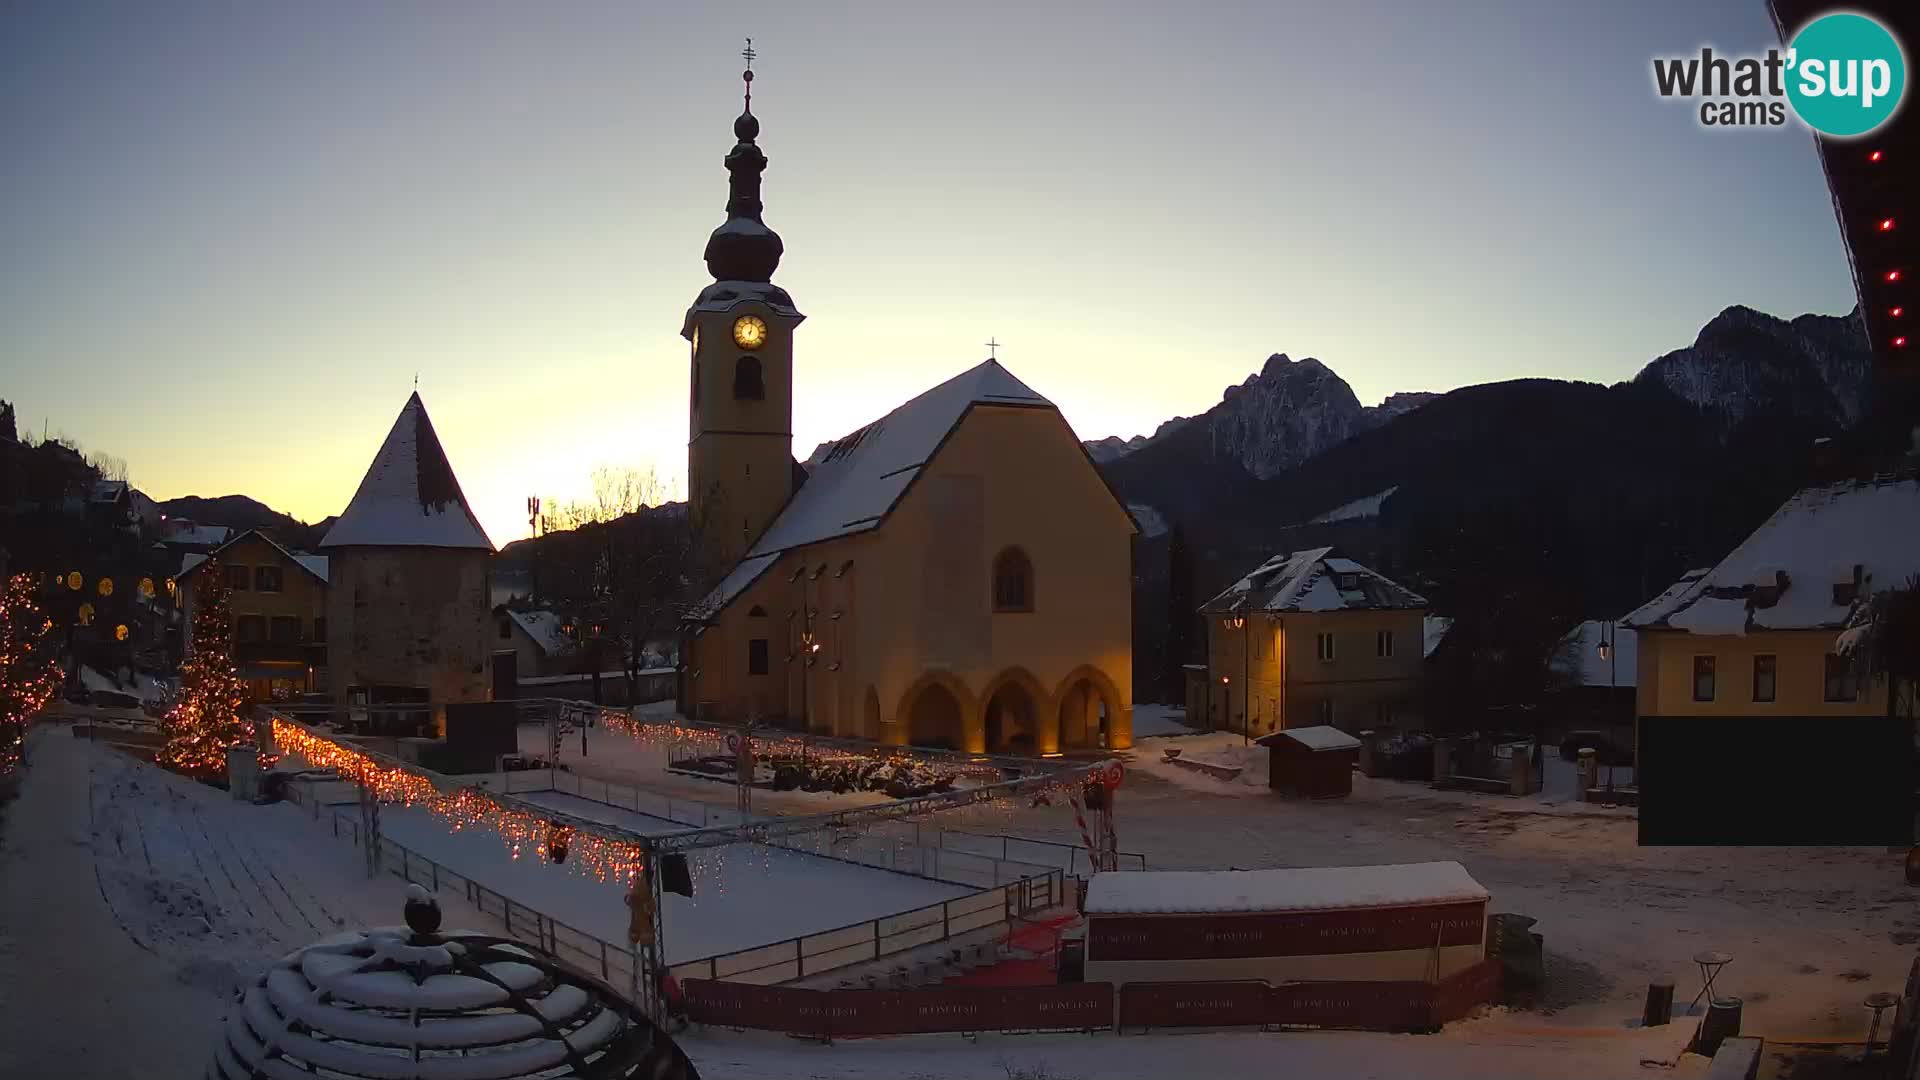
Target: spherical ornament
(146, 588)
(74, 581)
(86, 614)
(106, 586)
(120, 632)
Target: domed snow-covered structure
(410, 1003)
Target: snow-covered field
(129, 897)
(744, 895)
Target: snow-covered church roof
(1313, 580)
(854, 482)
(1858, 535)
(409, 497)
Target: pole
(1246, 686)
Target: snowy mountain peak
(1745, 362)
(1287, 412)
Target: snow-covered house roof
(312, 564)
(108, 491)
(854, 483)
(192, 535)
(1436, 627)
(546, 630)
(1313, 580)
(1316, 737)
(1808, 567)
(1319, 888)
(409, 497)
(1581, 661)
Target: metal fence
(1009, 889)
(1071, 859)
(615, 964)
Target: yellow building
(1757, 635)
(955, 573)
(1310, 638)
(279, 603)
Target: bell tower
(740, 408)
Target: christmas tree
(207, 718)
(29, 668)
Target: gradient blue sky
(234, 232)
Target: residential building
(955, 573)
(278, 599)
(534, 643)
(1756, 634)
(408, 623)
(1310, 638)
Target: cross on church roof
(992, 347)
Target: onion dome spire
(744, 249)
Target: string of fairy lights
(612, 855)
(29, 675)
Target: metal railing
(1008, 889)
(616, 964)
(875, 939)
(1071, 859)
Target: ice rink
(745, 895)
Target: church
(956, 573)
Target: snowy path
(1474, 1050)
(132, 900)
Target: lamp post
(1239, 622)
(1610, 652)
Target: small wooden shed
(1316, 762)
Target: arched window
(747, 384)
(1012, 581)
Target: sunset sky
(235, 232)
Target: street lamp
(1239, 623)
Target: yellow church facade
(955, 574)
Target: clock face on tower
(749, 332)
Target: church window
(1012, 581)
(757, 656)
(747, 384)
(757, 612)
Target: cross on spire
(993, 349)
(748, 54)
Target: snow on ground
(1812, 930)
(1150, 721)
(131, 900)
(1486, 1049)
(744, 894)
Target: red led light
(1899, 343)
(1886, 224)
(1875, 156)
(1893, 275)
(1896, 312)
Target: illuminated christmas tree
(29, 666)
(208, 717)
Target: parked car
(1604, 747)
(77, 694)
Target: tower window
(747, 384)
(1012, 581)
(757, 656)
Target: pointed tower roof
(409, 497)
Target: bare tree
(632, 567)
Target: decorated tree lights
(29, 666)
(208, 717)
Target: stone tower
(407, 598)
(740, 468)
